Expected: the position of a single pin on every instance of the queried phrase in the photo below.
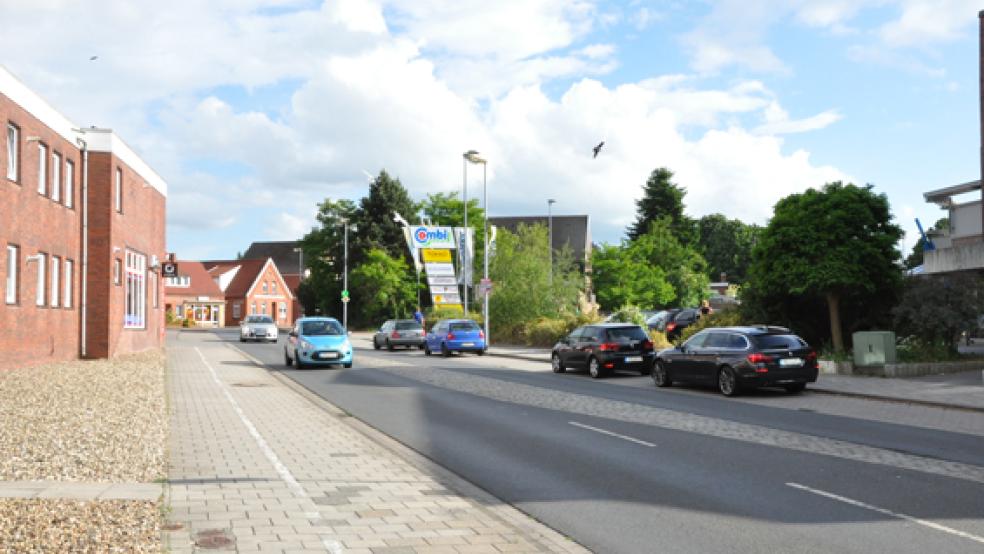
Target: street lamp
(345, 223)
(300, 263)
(473, 157)
(550, 203)
(406, 226)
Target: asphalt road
(620, 466)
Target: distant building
(82, 228)
(572, 231)
(194, 296)
(961, 246)
(288, 261)
(253, 287)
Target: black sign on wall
(169, 269)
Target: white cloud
(930, 21)
(777, 121)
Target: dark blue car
(455, 335)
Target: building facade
(194, 296)
(253, 286)
(288, 258)
(82, 225)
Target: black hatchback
(733, 358)
(604, 348)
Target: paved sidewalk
(259, 466)
(959, 390)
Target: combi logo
(433, 236)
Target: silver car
(399, 332)
(258, 328)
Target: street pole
(550, 204)
(464, 248)
(485, 249)
(345, 278)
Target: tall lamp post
(345, 223)
(473, 157)
(300, 263)
(550, 203)
(464, 185)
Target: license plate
(791, 362)
(328, 355)
(631, 359)
(468, 344)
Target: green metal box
(874, 348)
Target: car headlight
(306, 345)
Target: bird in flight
(597, 149)
(93, 58)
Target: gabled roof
(249, 270)
(282, 252)
(202, 283)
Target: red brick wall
(282, 296)
(36, 223)
(140, 227)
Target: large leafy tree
(726, 244)
(662, 198)
(320, 292)
(380, 288)
(915, 258)
(937, 308)
(835, 243)
(374, 219)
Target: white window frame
(117, 271)
(118, 191)
(13, 260)
(252, 308)
(265, 287)
(42, 169)
(273, 287)
(135, 306)
(40, 295)
(69, 183)
(283, 311)
(56, 163)
(13, 152)
(55, 284)
(69, 285)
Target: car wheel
(727, 381)
(287, 361)
(347, 366)
(660, 377)
(556, 365)
(375, 344)
(795, 388)
(444, 350)
(481, 352)
(242, 339)
(427, 350)
(297, 361)
(594, 368)
(421, 346)
(389, 345)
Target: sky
(253, 111)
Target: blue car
(455, 335)
(317, 341)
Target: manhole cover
(250, 384)
(173, 526)
(213, 538)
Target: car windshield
(320, 328)
(408, 326)
(625, 334)
(259, 319)
(464, 326)
(778, 342)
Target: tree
(835, 243)
(662, 198)
(726, 244)
(381, 289)
(937, 308)
(375, 227)
(320, 292)
(915, 258)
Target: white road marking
(610, 433)
(858, 503)
(332, 545)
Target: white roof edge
(99, 140)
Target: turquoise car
(317, 341)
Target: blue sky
(254, 110)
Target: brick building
(253, 286)
(194, 296)
(82, 227)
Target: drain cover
(213, 538)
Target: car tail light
(647, 345)
(759, 358)
(812, 358)
(670, 327)
(481, 334)
(450, 336)
(608, 347)
(395, 335)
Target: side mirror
(292, 334)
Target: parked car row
(447, 336)
(730, 358)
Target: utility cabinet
(874, 348)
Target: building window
(265, 287)
(237, 309)
(13, 149)
(252, 308)
(179, 281)
(55, 285)
(283, 311)
(69, 184)
(42, 169)
(118, 190)
(69, 285)
(40, 297)
(136, 291)
(13, 257)
(56, 163)
(117, 271)
(273, 288)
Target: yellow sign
(455, 307)
(435, 255)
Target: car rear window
(626, 333)
(319, 328)
(407, 325)
(464, 326)
(778, 342)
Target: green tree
(662, 198)
(937, 308)
(726, 244)
(380, 288)
(375, 227)
(835, 243)
(520, 268)
(915, 258)
(320, 292)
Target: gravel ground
(99, 420)
(28, 526)
(83, 421)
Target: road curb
(820, 390)
(538, 532)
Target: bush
(629, 314)
(660, 342)
(186, 323)
(723, 318)
(913, 349)
(542, 332)
(438, 312)
(546, 331)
